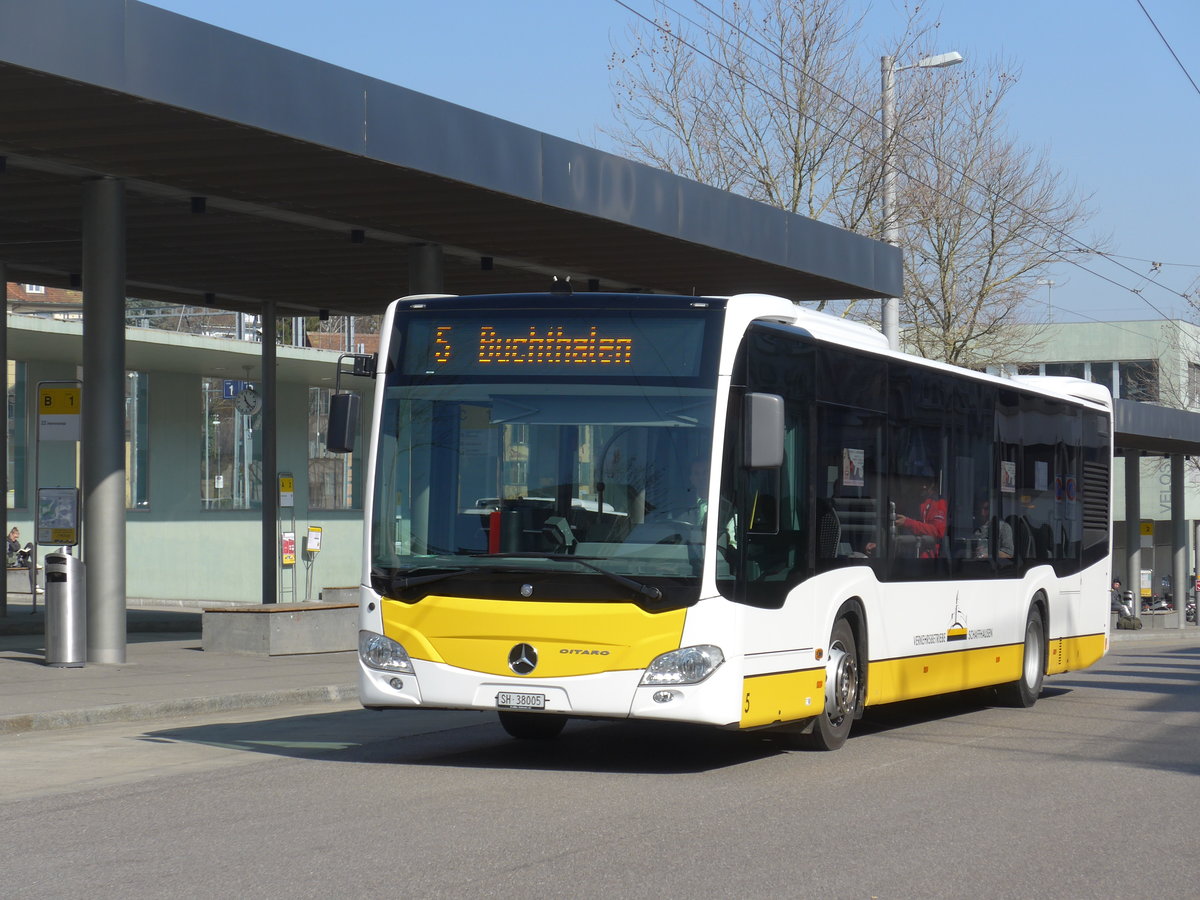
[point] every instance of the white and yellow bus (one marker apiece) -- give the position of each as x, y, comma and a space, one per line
730, 511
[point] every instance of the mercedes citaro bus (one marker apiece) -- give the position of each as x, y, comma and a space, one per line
731, 511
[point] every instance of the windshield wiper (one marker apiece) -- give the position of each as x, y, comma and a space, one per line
645, 590
396, 581
403, 582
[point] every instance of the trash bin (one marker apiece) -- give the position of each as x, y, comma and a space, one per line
66, 611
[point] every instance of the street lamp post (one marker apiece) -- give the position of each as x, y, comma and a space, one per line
891, 231
1049, 285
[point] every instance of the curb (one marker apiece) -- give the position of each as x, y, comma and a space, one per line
158, 709
37, 628
1190, 633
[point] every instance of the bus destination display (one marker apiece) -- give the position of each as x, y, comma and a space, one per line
605, 345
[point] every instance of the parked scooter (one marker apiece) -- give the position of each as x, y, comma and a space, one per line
1161, 602
1189, 611
1157, 603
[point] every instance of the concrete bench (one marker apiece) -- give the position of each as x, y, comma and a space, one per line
19, 580
281, 629
340, 594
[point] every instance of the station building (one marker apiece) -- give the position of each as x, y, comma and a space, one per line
193, 458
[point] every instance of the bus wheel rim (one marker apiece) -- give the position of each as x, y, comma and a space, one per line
841, 683
1033, 658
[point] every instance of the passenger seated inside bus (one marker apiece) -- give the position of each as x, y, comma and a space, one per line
985, 526
928, 526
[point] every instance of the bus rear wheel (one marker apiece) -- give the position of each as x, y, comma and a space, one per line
1025, 690
532, 726
842, 685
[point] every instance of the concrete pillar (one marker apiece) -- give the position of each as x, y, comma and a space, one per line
1133, 531
425, 269
269, 422
1179, 539
103, 417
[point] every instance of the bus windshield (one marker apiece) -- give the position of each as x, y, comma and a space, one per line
568, 445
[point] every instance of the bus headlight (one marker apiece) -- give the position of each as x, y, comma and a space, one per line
687, 665
381, 652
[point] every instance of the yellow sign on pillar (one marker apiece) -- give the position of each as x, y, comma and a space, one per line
1146, 530
287, 491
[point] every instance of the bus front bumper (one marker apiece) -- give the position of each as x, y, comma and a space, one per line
618, 694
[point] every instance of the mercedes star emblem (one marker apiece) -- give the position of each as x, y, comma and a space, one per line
522, 659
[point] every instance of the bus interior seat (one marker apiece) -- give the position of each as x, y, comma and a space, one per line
1022, 537
829, 531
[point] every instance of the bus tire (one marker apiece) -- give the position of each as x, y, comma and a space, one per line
532, 726
843, 682
1025, 690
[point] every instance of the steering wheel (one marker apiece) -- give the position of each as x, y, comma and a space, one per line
676, 515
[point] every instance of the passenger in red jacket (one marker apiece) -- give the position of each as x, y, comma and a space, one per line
931, 526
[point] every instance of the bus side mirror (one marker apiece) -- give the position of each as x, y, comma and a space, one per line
342, 431
764, 431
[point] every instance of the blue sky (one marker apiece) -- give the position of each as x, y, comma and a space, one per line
1099, 91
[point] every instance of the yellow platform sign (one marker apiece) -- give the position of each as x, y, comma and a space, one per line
58, 413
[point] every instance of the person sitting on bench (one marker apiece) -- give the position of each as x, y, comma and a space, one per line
17, 556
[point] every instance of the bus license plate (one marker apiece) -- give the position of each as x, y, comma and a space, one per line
507, 700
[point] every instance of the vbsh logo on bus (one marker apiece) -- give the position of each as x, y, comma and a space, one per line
957, 630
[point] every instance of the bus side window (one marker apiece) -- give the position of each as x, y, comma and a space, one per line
848, 484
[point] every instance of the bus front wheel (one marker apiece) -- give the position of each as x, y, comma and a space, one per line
532, 726
1025, 690
842, 686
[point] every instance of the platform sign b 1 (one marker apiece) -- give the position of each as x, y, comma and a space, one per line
287, 490
58, 413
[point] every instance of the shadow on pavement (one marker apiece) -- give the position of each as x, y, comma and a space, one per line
1167, 677
475, 740
22, 619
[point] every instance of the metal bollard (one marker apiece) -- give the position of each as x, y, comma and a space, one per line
66, 611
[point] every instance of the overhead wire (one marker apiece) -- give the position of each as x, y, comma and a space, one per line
1060, 254
1170, 49
1084, 247
1153, 262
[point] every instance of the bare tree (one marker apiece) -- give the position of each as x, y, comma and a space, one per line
763, 99
981, 217
777, 100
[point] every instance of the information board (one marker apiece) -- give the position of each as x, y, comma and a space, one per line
58, 516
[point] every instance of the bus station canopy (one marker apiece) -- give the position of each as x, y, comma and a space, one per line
1155, 430
254, 173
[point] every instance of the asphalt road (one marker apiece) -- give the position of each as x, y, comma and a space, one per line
1091, 793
